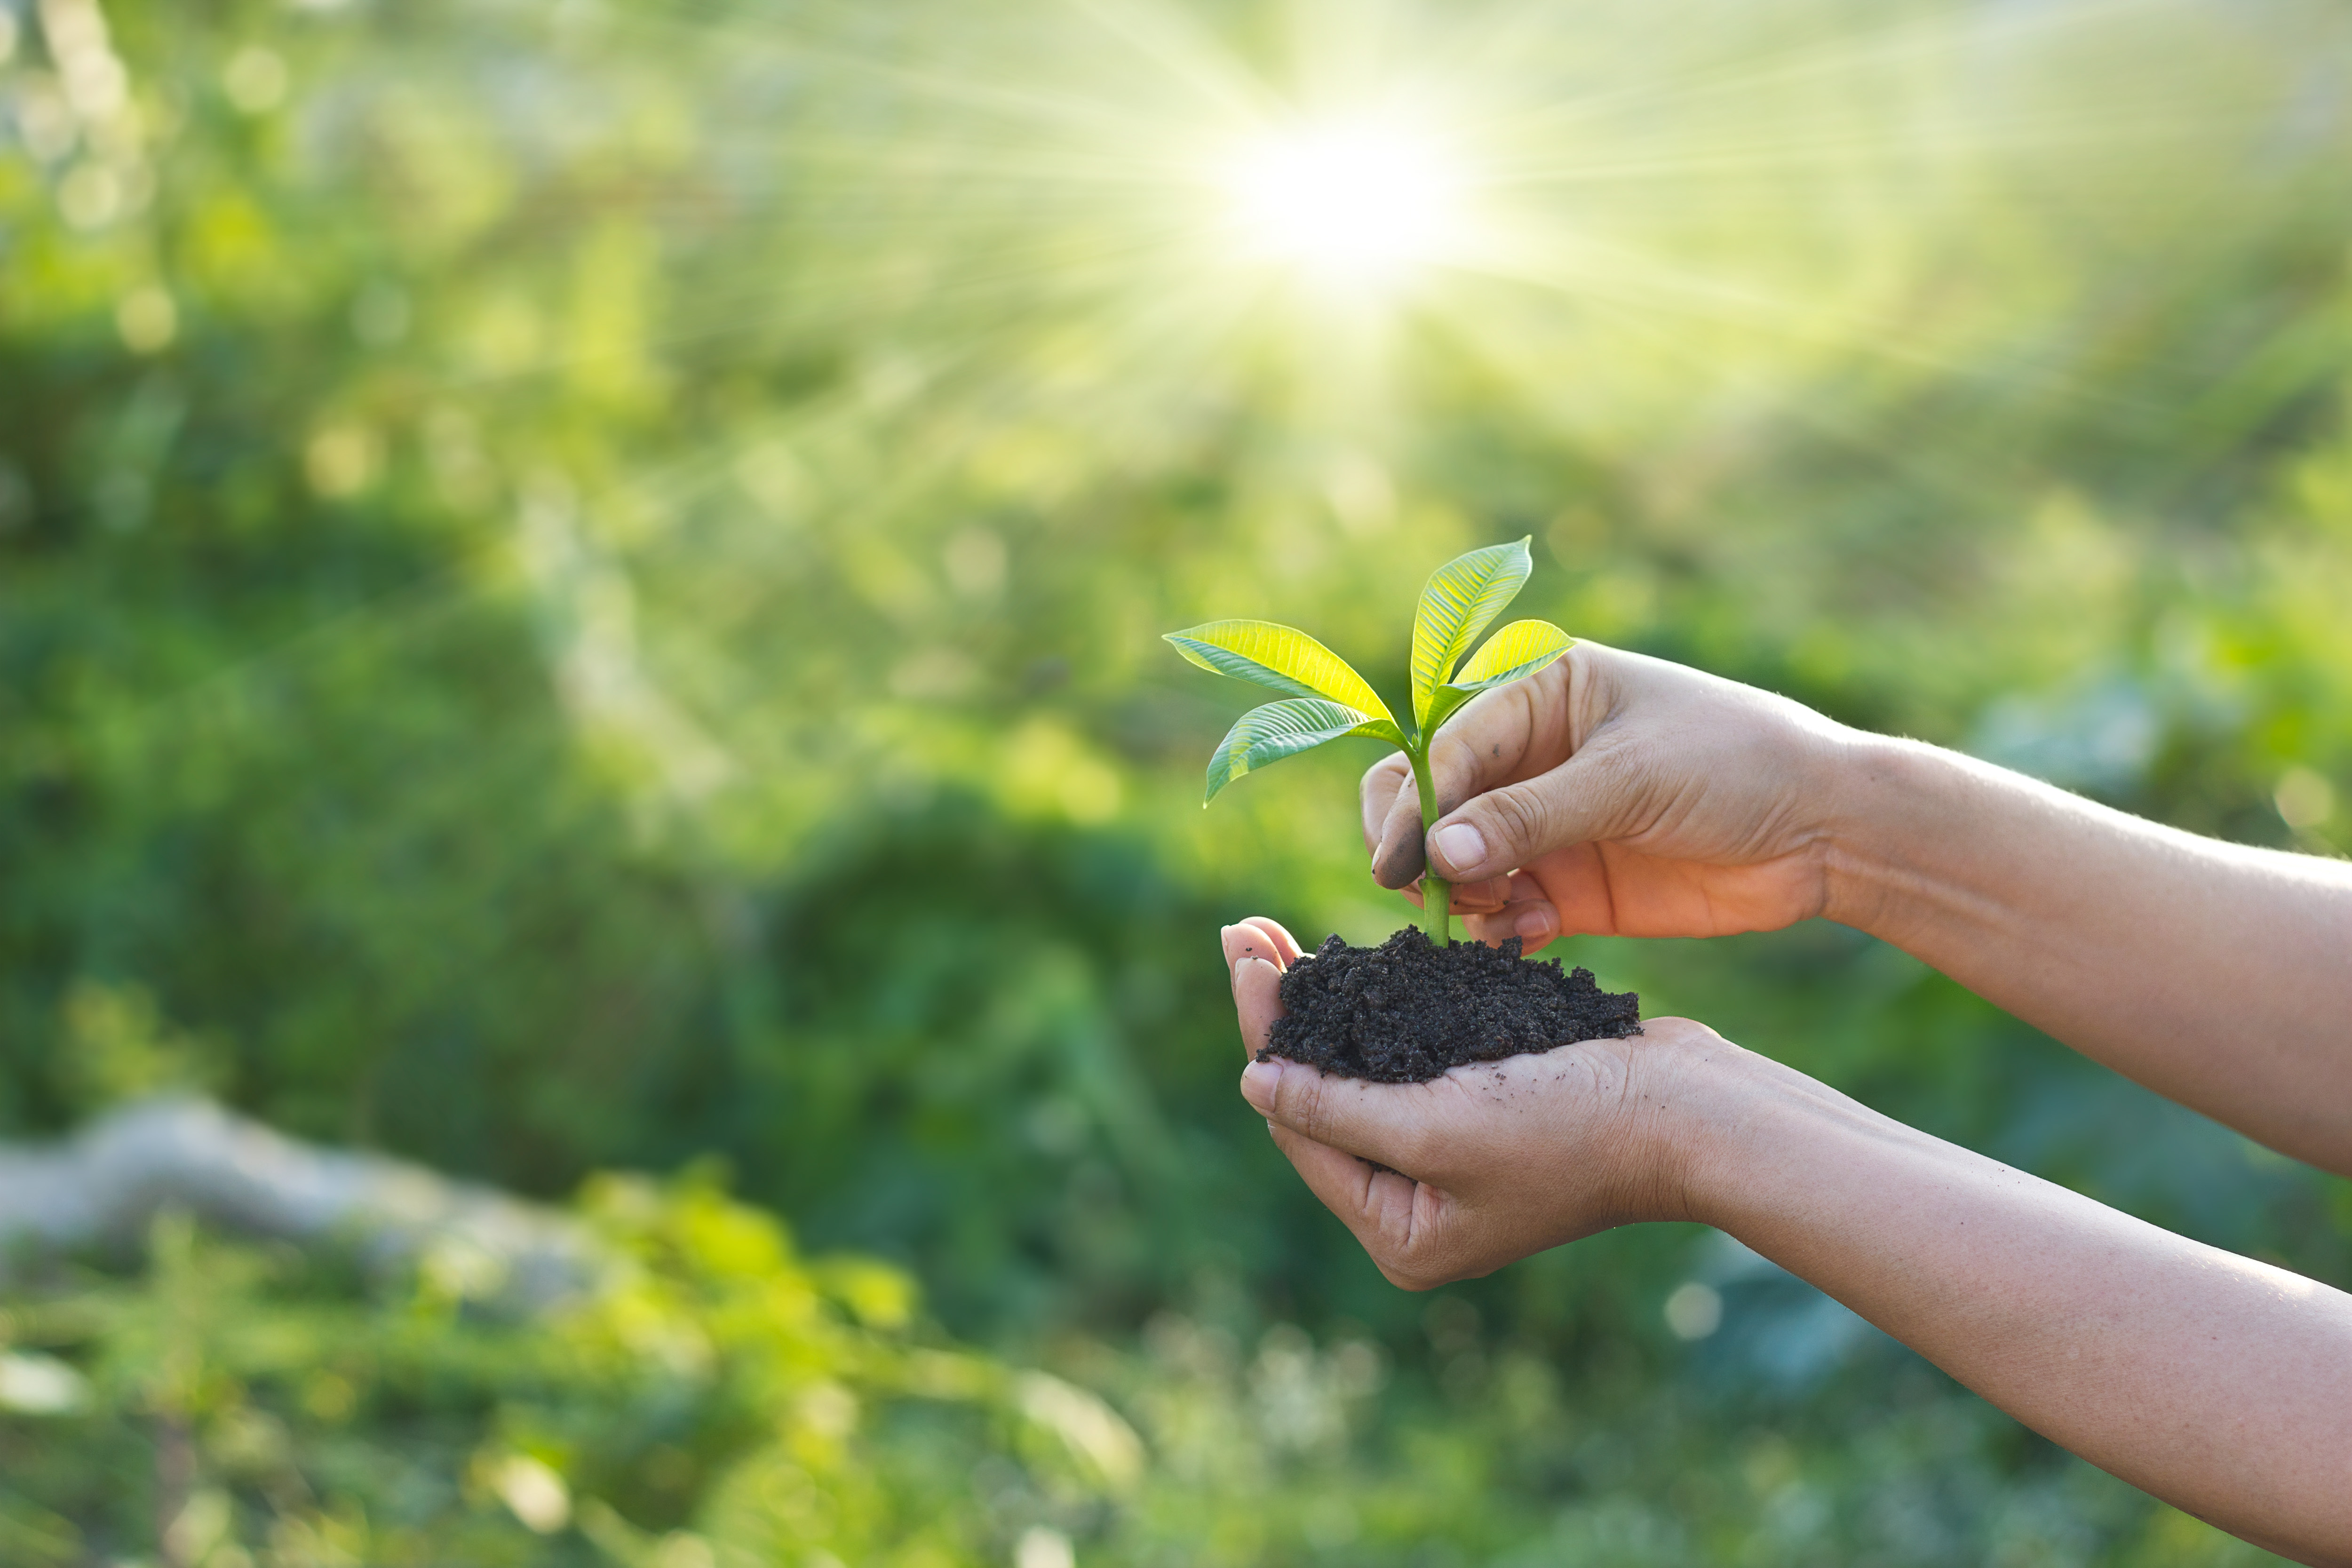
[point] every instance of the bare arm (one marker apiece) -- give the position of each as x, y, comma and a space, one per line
2218, 975
1622, 794
2220, 1384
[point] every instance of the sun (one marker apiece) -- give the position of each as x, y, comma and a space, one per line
1346, 201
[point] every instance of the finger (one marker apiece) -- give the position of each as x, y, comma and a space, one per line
1481, 898
1397, 861
1500, 737
1257, 999
1535, 921
1469, 898
1393, 1123
1526, 910
1577, 884
1527, 768
1386, 1211
1396, 855
1377, 796
1287, 949
1601, 794
1258, 937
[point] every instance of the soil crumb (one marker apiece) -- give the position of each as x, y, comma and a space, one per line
1406, 1011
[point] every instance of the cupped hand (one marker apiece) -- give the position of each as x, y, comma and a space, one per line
1619, 794
1492, 1162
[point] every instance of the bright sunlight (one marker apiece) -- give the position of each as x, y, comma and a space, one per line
1357, 202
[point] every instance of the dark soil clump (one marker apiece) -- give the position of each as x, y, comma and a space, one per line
1406, 1011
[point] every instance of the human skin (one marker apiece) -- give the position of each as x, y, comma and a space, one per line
1619, 794
1616, 794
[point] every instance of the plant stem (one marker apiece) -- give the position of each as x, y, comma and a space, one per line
1437, 892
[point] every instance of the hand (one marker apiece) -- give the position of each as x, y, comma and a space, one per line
1489, 1164
1623, 795
2220, 1384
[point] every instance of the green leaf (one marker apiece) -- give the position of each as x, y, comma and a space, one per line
1442, 704
1519, 650
1457, 603
1280, 730
1279, 657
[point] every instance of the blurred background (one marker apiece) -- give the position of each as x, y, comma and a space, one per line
580, 594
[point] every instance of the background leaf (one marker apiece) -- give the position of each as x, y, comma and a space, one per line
1457, 603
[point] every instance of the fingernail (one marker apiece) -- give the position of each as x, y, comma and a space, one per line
1532, 924
1460, 846
1258, 1080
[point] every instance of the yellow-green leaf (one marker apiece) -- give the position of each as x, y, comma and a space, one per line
1442, 704
1285, 729
1460, 599
1279, 657
1519, 650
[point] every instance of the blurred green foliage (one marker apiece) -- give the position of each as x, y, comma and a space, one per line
240, 1401
578, 590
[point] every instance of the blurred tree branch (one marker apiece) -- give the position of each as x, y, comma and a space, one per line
107, 1183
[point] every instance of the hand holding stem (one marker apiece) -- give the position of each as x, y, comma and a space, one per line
1328, 700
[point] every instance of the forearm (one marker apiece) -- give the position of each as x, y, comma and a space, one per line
2220, 1384
2218, 975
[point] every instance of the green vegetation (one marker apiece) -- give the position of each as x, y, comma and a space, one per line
1328, 699
576, 586
262, 1405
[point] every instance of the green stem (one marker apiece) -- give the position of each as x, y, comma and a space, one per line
1437, 892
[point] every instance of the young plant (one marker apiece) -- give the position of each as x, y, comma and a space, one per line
1328, 700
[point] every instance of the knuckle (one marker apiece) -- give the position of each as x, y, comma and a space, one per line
1519, 813
1452, 760
1402, 1264
1300, 1103
1407, 1272
1592, 671
1419, 1150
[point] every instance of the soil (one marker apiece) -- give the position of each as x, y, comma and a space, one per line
1406, 1011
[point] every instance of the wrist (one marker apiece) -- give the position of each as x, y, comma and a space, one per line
1883, 809
1738, 1123
1717, 1110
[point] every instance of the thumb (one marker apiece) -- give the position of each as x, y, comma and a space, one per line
1393, 1124
1593, 797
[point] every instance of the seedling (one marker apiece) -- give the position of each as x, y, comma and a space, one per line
1328, 700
